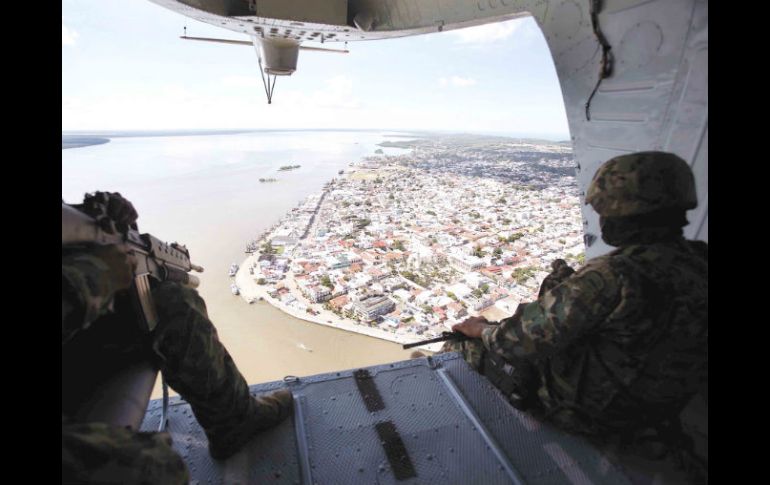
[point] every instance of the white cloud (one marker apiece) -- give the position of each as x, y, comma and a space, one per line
68, 36
242, 82
484, 34
179, 106
338, 94
340, 84
456, 81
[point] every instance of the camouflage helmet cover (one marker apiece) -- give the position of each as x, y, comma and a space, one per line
642, 182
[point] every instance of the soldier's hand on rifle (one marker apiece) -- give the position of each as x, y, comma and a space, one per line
111, 210
472, 327
121, 211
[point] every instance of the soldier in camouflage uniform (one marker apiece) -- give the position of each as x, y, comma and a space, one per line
188, 352
616, 350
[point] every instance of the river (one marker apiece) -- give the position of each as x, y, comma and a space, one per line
203, 191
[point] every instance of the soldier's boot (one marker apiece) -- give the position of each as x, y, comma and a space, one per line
265, 412
197, 366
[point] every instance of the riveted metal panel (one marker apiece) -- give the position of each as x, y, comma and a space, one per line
655, 99
455, 427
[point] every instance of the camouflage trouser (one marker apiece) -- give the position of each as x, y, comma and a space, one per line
198, 367
196, 364
98, 453
517, 381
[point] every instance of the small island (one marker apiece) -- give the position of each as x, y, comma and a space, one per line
288, 167
263, 180
379, 151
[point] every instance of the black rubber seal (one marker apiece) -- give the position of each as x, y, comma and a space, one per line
395, 450
368, 390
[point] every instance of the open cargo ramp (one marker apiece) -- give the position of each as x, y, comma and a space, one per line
428, 420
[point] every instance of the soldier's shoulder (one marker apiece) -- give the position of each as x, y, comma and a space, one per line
600, 271
82, 263
700, 247
599, 263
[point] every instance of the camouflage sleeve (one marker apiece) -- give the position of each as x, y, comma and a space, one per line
558, 316
87, 291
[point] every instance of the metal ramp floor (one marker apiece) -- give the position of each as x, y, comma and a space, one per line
421, 421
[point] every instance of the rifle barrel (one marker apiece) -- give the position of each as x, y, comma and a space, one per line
443, 338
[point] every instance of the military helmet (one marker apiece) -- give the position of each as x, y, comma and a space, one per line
642, 182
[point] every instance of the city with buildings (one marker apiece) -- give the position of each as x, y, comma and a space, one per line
403, 247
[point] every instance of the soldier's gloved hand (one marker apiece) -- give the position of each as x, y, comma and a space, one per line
122, 211
112, 211
472, 327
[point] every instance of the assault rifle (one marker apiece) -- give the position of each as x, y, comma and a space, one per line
443, 338
154, 258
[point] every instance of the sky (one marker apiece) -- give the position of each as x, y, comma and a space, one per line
125, 68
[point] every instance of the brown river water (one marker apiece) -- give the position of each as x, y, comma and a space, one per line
203, 191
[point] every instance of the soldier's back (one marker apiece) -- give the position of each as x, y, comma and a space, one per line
649, 355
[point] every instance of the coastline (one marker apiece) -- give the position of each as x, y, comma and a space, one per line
251, 292
75, 141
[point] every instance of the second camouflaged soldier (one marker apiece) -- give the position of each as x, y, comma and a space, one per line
185, 347
616, 350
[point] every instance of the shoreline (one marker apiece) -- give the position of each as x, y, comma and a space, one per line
251, 292
74, 141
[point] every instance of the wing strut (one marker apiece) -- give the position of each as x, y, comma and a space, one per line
269, 87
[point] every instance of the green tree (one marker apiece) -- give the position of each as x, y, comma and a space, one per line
478, 252
523, 274
327, 282
268, 248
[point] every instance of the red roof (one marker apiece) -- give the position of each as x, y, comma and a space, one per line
338, 302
